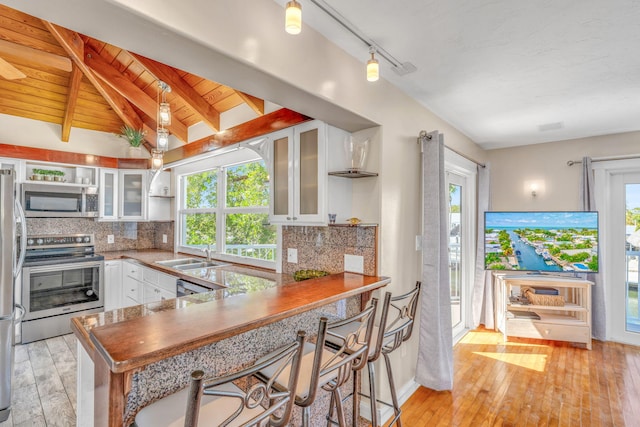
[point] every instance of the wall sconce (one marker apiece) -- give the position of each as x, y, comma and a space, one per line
534, 188
293, 17
373, 67
157, 160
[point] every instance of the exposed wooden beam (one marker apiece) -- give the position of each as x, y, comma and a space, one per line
35, 56
72, 99
209, 115
9, 72
130, 91
45, 155
256, 104
263, 125
74, 46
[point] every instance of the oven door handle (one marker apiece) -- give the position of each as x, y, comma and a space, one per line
59, 267
23, 238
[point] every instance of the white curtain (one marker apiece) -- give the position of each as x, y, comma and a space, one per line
598, 297
482, 295
435, 355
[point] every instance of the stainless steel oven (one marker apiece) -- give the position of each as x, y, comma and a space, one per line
62, 278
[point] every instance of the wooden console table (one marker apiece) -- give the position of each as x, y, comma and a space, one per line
571, 322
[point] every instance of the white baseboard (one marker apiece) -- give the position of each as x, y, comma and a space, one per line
385, 413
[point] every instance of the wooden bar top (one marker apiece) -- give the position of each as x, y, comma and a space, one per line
138, 342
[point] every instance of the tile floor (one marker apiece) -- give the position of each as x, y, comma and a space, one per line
44, 384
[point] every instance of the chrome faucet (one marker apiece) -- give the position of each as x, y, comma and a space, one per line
208, 251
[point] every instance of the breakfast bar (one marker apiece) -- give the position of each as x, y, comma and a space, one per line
150, 352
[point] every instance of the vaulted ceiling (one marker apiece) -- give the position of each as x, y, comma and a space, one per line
52, 74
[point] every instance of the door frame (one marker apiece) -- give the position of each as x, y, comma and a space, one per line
606, 174
466, 169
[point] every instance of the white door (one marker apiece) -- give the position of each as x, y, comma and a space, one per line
625, 257
461, 184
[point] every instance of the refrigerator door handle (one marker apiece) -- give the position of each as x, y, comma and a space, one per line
23, 246
19, 309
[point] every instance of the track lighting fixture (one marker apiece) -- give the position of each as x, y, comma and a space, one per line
373, 67
293, 17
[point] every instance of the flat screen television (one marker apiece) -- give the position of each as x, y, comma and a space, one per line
541, 241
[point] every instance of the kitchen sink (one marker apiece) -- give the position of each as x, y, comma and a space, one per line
198, 265
190, 263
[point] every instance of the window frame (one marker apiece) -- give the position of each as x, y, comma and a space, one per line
221, 210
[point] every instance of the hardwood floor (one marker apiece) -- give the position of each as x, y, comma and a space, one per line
44, 384
519, 383
533, 383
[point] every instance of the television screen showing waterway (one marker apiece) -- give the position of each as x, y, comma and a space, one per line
541, 241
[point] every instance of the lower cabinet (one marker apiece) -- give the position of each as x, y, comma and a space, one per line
112, 285
138, 284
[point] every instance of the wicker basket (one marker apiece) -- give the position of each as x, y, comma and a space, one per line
537, 299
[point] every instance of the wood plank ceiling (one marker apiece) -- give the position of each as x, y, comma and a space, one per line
76, 81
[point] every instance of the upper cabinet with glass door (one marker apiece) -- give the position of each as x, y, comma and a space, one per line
108, 208
133, 197
299, 175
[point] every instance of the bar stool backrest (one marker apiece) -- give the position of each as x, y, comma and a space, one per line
259, 395
350, 355
396, 322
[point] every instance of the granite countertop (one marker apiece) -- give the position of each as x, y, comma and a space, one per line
238, 280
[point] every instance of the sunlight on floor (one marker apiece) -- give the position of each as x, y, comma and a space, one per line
536, 362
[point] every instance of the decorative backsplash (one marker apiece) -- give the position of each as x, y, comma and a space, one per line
127, 235
323, 248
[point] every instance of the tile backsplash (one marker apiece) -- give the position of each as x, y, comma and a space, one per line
127, 235
323, 248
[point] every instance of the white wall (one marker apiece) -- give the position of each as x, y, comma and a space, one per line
248, 49
513, 168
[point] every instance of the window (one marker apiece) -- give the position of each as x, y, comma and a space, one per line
228, 208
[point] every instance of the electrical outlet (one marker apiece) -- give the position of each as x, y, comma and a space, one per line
164, 238
418, 242
292, 255
354, 263
110, 239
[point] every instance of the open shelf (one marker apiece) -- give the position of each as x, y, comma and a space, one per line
353, 174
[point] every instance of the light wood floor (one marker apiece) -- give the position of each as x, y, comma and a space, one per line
44, 384
533, 383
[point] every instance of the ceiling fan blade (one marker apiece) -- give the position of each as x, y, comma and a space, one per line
10, 72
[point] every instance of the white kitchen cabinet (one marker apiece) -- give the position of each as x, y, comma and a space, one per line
112, 285
132, 286
142, 284
299, 175
108, 209
133, 194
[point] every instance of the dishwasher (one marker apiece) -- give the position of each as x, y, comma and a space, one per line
184, 288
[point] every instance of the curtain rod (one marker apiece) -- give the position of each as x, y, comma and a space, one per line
424, 134
603, 159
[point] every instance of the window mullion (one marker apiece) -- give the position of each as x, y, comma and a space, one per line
220, 218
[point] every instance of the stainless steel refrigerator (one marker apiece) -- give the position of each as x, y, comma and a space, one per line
11, 216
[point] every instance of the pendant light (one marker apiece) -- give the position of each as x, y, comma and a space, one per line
157, 160
164, 118
373, 67
293, 17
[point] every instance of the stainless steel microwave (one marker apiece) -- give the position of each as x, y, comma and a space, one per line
56, 201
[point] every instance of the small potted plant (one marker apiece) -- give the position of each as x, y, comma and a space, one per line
134, 137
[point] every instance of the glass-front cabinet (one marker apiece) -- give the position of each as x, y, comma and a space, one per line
108, 209
299, 175
133, 200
